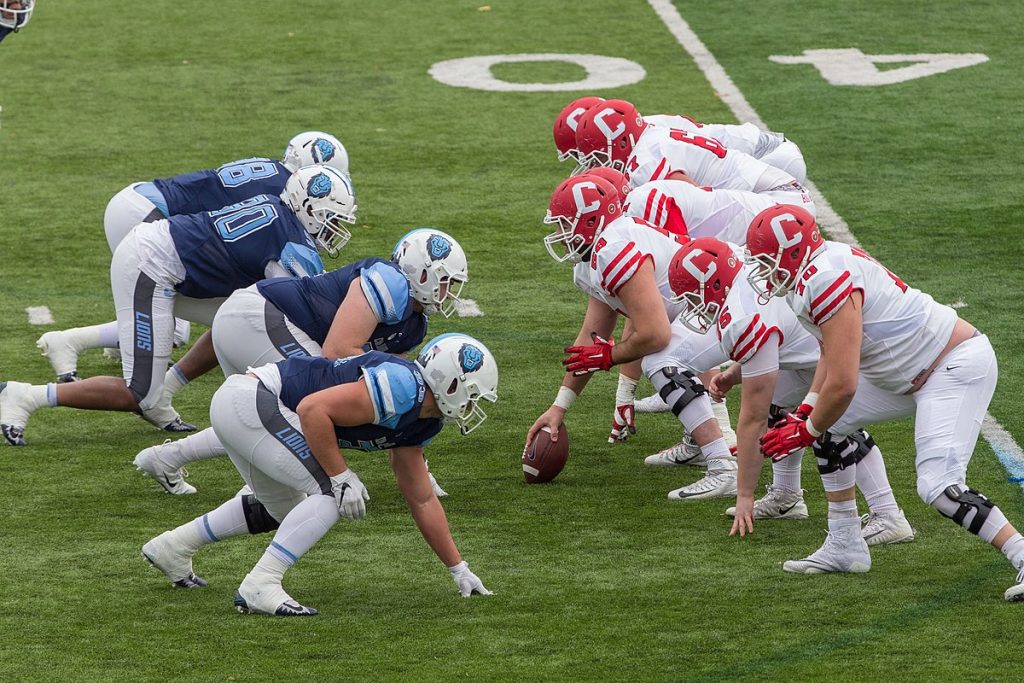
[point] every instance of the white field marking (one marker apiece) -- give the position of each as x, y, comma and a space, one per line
39, 315
850, 66
475, 72
467, 308
959, 303
1007, 450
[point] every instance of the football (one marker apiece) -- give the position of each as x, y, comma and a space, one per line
545, 458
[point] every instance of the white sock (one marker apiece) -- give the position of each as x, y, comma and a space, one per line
873, 482
304, 525
199, 446
42, 396
721, 411
92, 336
625, 392
786, 472
106, 336
1014, 550
226, 521
842, 510
174, 380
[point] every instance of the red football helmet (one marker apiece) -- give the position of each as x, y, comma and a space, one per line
701, 274
781, 240
616, 178
581, 206
606, 134
565, 126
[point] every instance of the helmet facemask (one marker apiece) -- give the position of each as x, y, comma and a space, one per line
698, 315
575, 244
328, 228
460, 374
767, 277
16, 18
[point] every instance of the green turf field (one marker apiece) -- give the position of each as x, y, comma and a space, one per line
597, 576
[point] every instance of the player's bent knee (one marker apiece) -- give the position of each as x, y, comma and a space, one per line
257, 518
678, 387
971, 510
833, 455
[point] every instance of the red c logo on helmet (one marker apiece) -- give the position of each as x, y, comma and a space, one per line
605, 128
581, 204
780, 234
702, 276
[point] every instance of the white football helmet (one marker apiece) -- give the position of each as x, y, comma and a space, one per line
15, 14
460, 373
314, 147
436, 267
323, 199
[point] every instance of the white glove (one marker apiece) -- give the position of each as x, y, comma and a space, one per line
623, 423
467, 581
350, 494
438, 491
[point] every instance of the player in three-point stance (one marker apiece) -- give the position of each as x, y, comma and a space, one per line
775, 359
371, 304
918, 357
185, 194
188, 265
282, 425
621, 263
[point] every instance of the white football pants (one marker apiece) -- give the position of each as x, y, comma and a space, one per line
124, 211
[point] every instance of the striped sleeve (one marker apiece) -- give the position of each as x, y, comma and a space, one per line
826, 293
386, 290
745, 337
617, 263
393, 391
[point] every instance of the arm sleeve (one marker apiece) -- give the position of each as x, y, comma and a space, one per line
393, 391
746, 336
387, 292
275, 269
765, 359
300, 260
826, 293
617, 263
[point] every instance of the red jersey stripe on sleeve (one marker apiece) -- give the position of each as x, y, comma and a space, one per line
760, 337
629, 269
831, 288
621, 255
661, 167
659, 218
649, 206
832, 306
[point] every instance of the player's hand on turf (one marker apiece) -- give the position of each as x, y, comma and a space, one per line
785, 439
743, 520
623, 423
468, 582
438, 491
583, 360
552, 419
720, 385
350, 494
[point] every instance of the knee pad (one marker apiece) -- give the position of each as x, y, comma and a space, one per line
677, 387
257, 518
838, 455
965, 506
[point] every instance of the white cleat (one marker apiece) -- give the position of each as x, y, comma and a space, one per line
150, 463
713, 485
651, 404
844, 550
886, 528
1016, 593
777, 503
15, 408
260, 594
686, 452
174, 561
63, 356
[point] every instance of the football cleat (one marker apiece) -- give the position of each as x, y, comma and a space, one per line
63, 356
651, 404
14, 411
886, 528
179, 426
844, 550
263, 595
150, 463
175, 562
686, 452
777, 503
1016, 593
713, 485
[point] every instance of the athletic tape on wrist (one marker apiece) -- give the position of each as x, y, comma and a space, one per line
565, 398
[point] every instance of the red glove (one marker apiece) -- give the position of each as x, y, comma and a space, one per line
803, 411
584, 360
789, 437
623, 424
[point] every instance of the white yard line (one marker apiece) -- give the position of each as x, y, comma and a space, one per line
39, 315
1006, 449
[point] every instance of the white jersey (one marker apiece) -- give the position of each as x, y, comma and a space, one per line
742, 138
662, 151
745, 326
905, 330
618, 253
689, 211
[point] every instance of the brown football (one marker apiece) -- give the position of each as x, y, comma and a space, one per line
545, 458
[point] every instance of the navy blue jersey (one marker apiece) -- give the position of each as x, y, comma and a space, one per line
311, 303
4, 31
396, 388
229, 249
229, 184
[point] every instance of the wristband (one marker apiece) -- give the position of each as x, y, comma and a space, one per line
460, 567
565, 398
626, 391
811, 398
810, 428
